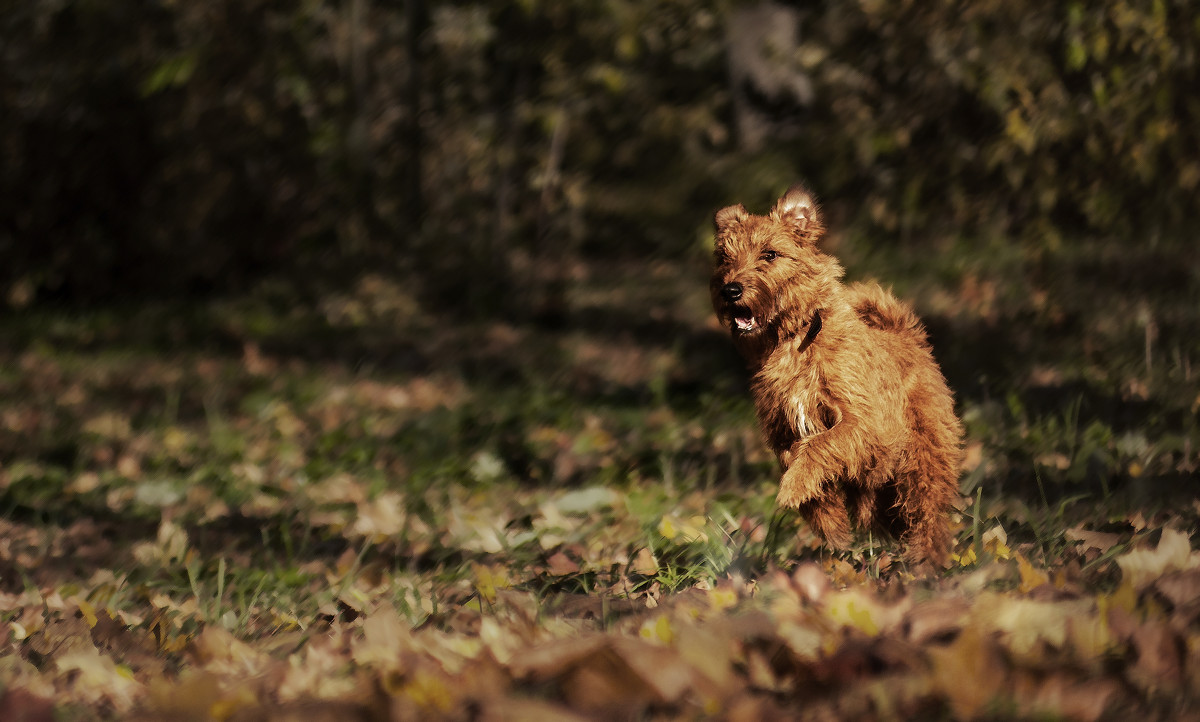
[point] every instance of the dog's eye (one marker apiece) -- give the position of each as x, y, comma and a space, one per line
768, 256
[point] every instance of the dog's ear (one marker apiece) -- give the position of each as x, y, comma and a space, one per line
798, 208
726, 217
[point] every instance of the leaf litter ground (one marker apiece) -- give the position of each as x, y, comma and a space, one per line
349, 510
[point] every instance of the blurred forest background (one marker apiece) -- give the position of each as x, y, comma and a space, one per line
475, 148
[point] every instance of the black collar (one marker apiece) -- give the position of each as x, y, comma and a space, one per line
814, 327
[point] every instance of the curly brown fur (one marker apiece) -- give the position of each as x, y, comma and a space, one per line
846, 388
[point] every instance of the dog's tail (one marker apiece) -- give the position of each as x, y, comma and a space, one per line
879, 309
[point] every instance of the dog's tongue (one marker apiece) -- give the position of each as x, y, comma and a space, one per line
743, 322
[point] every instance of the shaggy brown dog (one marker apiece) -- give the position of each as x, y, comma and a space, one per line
847, 391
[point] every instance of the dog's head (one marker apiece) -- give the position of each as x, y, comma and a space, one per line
768, 276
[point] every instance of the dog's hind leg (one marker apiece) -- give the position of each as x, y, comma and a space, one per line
927, 488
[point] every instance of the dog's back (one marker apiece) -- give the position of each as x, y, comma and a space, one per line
881, 310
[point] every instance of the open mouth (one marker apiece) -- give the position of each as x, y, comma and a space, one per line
744, 321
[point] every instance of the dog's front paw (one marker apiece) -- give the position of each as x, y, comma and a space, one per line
800, 483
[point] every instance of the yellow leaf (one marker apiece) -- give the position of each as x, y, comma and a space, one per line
1125, 599
972, 656
995, 542
1090, 636
429, 691
683, 531
1018, 129
666, 527
850, 610
722, 598
1031, 578
88, 612
231, 703
488, 580
657, 630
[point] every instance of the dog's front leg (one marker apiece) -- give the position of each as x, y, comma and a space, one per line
813, 460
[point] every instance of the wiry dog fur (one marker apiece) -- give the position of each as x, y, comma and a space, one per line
847, 391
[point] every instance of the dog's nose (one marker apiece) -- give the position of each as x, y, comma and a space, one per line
731, 291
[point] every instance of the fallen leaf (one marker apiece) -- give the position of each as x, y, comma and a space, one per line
683, 531
1180, 588
1140, 567
526, 710
935, 619
1099, 540
645, 563
1026, 623
1031, 578
586, 501
1159, 663
385, 636
19, 705
973, 656
96, 679
657, 630
1058, 696
381, 518
858, 609
995, 542
488, 580
544, 661
810, 581
561, 565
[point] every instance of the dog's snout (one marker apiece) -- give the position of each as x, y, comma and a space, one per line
731, 291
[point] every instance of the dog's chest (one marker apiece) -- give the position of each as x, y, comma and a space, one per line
789, 411
791, 397
796, 411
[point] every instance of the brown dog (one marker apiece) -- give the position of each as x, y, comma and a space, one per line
847, 391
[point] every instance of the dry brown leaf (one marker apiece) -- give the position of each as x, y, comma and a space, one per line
710, 654
385, 637
516, 709
1180, 588
810, 581
381, 518
1057, 696
659, 668
561, 565
545, 661
645, 563
1159, 663
20, 705
938, 618
972, 457
973, 656
1099, 540
218, 651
